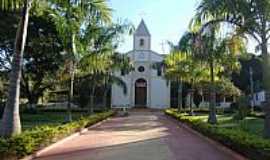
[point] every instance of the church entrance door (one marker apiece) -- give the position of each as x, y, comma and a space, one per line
140, 93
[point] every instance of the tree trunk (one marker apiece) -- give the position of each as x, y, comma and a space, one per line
71, 90
191, 101
180, 91
266, 85
92, 98
105, 98
212, 119
11, 124
73, 51
32, 101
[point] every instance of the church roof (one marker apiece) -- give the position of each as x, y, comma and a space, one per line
142, 30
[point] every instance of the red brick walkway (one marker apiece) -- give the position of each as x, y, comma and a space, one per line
140, 136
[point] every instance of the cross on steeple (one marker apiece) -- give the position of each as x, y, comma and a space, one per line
142, 14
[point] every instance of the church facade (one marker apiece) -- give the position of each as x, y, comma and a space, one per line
146, 86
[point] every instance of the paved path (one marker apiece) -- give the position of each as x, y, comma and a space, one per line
140, 136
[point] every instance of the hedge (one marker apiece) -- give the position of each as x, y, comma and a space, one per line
37, 138
251, 146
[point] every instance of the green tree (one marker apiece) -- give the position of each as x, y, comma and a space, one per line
70, 16
11, 119
118, 63
248, 18
42, 56
42, 59
100, 60
220, 55
194, 67
11, 124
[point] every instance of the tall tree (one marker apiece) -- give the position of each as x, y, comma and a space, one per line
246, 17
11, 119
194, 67
70, 17
175, 71
220, 55
11, 124
42, 56
100, 59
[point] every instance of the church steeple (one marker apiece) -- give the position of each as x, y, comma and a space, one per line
142, 37
142, 30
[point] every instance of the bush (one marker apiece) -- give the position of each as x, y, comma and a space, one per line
243, 109
250, 145
39, 137
234, 106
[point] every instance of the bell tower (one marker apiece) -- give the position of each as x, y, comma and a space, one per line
142, 37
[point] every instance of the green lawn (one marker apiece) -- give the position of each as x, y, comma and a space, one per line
252, 125
245, 136
45, 118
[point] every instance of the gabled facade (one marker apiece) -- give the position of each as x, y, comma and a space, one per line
146, 85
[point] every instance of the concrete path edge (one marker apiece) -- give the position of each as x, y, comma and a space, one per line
61, 141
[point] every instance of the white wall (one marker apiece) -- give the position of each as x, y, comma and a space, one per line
147, 43
158, 91
118, 96
258, 98
160, 94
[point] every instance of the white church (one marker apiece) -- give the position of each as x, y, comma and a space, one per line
146, 86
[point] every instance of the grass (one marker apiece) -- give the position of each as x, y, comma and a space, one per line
46, 118
251, 125
33, 140
244, 136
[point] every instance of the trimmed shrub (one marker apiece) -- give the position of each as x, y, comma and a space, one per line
250, 145
32, 140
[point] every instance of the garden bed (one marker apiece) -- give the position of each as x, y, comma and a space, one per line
247, 143
39, 137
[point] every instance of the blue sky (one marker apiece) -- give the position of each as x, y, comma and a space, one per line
167, 20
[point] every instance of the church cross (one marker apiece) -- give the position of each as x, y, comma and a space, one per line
143, 14
163, 46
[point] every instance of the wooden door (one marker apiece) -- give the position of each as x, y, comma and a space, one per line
141, 93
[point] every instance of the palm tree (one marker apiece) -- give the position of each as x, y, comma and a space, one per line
221, 56
197, 73
182, 67
195, 68
94, 9
69, 17
100, 59
11, 124
118, 62
249, 18
174, 71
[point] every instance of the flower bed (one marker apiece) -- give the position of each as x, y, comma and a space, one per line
37, 138
252, 146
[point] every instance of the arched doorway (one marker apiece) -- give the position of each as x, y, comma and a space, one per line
141, 93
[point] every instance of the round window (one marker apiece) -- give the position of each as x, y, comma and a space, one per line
141, 69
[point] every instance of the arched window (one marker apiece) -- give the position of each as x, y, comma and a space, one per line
141, 42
